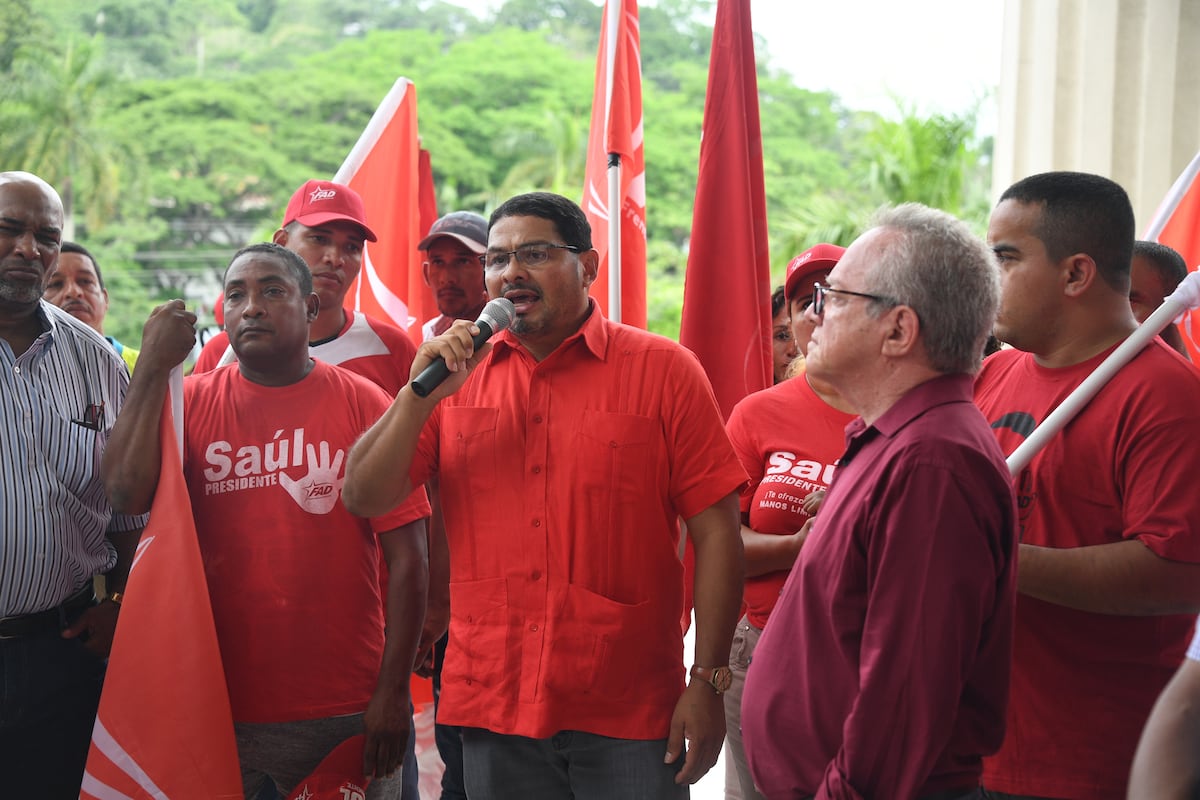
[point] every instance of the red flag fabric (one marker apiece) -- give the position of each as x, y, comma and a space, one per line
727, 288
338, 777
617, 128
164, 727
1176, 224
384, 168
422, 304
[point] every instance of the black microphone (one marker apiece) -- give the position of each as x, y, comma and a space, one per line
497, 315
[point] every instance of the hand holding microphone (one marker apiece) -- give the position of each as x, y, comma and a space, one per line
497, 315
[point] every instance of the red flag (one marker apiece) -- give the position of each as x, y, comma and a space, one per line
727, 288
617, 128
1176, 224
338, 777
422, 304
384, 168
164, 727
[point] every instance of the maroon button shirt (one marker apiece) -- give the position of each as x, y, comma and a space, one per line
883, 671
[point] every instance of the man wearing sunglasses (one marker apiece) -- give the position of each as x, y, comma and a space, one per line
566, 453
61, 386
884, 669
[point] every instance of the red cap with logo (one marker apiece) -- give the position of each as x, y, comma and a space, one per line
318, 202
804, 269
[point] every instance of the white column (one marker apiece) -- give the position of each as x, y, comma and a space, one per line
1104, 86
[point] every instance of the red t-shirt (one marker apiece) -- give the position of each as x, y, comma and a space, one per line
380, 352
1083, 684
788, 439
292, 574
562, 483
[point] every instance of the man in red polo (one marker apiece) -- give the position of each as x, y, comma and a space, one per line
326, 225
566, 454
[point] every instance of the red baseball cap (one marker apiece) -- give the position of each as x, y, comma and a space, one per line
804, 269
318, 202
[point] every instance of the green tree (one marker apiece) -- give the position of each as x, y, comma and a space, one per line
55, 125
935, 160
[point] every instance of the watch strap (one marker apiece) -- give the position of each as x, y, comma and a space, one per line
719, 678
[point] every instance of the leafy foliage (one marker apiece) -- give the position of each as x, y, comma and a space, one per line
180, 127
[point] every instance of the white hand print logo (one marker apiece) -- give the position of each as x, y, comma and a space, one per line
318, 491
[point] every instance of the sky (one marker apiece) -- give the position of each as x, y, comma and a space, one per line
941, 55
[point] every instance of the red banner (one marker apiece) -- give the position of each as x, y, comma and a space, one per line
164, 727
385, 168
1177, 224
727, 288
338, 777
617, 128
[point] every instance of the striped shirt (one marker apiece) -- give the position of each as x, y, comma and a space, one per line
53, 513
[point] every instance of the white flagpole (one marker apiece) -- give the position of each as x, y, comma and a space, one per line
175, 387
1185, 297
614, 9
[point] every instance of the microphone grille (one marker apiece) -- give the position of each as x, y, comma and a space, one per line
498, 314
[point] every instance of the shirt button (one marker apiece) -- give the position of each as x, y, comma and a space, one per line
537, 470
17, 369
533, 627
537, 523
537, 417
535, 575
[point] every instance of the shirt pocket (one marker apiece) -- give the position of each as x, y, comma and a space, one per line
598, 646
615, 457
469, 448
478, 632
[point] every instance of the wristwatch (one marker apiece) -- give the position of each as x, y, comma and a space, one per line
720, 678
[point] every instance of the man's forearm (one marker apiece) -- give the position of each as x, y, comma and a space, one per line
407, 586
718, 582
133, 453
1123, 578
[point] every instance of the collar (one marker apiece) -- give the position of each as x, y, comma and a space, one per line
349, 313
595, 334
50, 317
923, 397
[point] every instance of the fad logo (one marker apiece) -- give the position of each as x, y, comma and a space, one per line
321, 194
321, 490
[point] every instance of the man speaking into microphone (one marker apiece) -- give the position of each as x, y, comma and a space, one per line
567, 449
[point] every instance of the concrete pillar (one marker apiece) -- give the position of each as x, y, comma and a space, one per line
1104, 86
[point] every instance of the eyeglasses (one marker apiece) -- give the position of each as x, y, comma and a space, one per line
93, 417
529, 255
820, 290
93, 413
